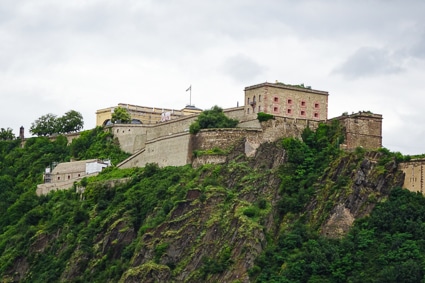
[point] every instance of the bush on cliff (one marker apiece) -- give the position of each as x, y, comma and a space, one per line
212, 119
262, 117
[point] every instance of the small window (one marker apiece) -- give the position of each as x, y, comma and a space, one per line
275, 109
302, 113
79, 174
259, 98
69, 177
248, 100
118, 130
316, 105
259, 108
289, 111
276, 99
316, 115
303, 103
253, 99
59, 177
289, 101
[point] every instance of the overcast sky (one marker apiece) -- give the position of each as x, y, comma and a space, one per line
90, 54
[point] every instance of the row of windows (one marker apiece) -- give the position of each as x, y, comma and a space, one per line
289, 101
69, 177
253, 99
288, 111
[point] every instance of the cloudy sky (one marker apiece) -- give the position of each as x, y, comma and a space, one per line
90, 54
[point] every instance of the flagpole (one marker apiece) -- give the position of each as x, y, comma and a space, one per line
190, 94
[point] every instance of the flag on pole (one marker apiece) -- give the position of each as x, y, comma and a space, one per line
190, 88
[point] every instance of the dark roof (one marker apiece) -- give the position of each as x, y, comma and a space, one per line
192, 107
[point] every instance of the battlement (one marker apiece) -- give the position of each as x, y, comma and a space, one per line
362, 129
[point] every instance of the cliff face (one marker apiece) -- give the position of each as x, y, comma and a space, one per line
350, 189
225, 219
217, 240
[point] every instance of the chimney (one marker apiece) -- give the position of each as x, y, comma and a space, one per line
21, 132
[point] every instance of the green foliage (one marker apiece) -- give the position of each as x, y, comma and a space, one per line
71, 121
217, 265
49, 124
387, 246
6, 134
214, 151
301, 85
121, 115
97, 143
262, 117
212, 119
46, 125
251, 211
307, 160
160, 250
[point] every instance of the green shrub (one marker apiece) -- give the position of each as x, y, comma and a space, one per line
251, 211
262, 117
212, 119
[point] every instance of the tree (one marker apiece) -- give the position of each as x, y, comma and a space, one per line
46, 125
6, 134
210, 119
71, 121
121, 115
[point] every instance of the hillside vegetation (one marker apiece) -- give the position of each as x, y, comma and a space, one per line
299, 211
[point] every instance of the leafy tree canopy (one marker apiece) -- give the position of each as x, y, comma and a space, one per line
49, 124
121, 115
212, 119
6, 134
44, 126
72, 121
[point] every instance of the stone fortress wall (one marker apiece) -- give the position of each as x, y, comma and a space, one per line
362, 129
294, 108
413, 175
169, 143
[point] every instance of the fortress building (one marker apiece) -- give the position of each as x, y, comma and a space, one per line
292, 101
144, 114
167, 142
158, 135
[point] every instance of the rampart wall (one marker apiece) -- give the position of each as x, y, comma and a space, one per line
362, 129
413, 175
132, 137
173, 150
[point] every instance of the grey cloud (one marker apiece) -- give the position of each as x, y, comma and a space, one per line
418, 48
242, 68
369, 61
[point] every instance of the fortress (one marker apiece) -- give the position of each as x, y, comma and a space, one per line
161, 136
152, 139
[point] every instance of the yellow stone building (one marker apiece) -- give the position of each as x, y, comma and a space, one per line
292, 101
145, 115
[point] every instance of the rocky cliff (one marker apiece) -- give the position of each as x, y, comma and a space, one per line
208, 224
